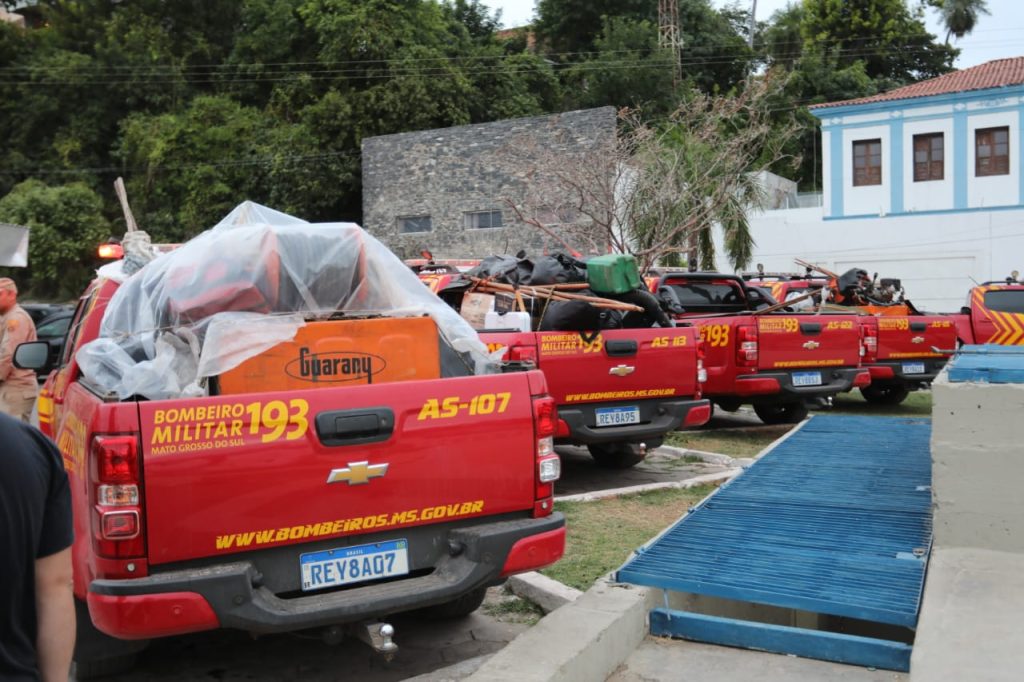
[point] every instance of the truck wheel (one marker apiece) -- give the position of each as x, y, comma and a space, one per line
885, 394
616, 455
457, 608
98, 654
784, 413
728, 405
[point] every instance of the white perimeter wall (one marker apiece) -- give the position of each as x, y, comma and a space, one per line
935, 255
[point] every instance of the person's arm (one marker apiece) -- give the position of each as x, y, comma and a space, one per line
7, 347
55, 612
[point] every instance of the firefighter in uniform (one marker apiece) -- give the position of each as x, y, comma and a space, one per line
18, 387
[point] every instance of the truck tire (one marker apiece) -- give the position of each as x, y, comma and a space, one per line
98, 654
728, 405
782, 413
885, 394
617, 455
457, 608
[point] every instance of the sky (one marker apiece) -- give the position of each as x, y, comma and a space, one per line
999, 35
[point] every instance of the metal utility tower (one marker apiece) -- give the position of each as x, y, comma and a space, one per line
668, 35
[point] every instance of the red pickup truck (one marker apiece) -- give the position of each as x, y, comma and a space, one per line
994, 314
270, 512
772, 361
906, 358
618, 391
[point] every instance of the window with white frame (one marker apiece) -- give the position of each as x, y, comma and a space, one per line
415, 223
483, 219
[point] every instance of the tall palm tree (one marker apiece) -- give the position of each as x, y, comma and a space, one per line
960, 16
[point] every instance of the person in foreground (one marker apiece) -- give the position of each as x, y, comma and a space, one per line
37, 611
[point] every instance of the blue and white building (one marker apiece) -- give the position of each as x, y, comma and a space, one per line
923, 182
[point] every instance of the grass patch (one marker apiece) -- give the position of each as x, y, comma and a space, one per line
746, 443
917, 404
602, 534
513, 609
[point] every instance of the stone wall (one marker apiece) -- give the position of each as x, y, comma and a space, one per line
448, 172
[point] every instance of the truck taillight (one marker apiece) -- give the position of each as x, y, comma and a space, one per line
746, 345
701, 371
549, 466
116, 497
869, 344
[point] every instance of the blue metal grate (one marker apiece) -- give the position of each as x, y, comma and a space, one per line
836, 519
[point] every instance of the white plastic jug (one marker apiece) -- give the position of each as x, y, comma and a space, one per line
512, 320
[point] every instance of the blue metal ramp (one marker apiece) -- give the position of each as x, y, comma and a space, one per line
835, 520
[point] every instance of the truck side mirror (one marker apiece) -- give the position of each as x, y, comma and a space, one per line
32, 355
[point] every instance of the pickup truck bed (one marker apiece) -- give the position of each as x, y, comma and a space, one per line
618, 391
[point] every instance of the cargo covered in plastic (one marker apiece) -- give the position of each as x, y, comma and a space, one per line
244, 286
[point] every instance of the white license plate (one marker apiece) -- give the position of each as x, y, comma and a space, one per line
807, 378
347, 565
913, 368
617, 416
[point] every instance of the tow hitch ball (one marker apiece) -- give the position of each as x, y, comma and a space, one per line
378, 636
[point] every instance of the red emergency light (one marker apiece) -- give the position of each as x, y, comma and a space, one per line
111, 251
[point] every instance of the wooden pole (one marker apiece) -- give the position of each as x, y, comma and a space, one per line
122, 196
483, 285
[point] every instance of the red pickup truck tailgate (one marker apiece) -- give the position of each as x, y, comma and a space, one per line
789, 341
615, 364
235, 473
914, 337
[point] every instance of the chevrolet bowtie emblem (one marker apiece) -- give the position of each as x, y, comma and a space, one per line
917, 339
357, 473
811, 345
622, 370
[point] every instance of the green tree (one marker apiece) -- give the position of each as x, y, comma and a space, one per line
66, 224
476, 18
889, 38
628, 69
623, 36
573, 26
959, 16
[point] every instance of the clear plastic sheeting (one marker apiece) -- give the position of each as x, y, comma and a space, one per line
241, 288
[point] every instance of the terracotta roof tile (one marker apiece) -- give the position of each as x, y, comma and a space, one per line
994, 74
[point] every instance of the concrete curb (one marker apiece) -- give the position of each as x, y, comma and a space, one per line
709, 457
546, 593
452, 673
720, 477
585, 640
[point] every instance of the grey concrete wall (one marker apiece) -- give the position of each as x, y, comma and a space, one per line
978, 465
447, 172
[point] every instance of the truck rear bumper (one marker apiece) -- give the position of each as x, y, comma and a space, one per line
770, 387
657, 417
890, 371
232, 595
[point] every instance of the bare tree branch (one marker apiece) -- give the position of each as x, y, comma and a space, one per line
658, 188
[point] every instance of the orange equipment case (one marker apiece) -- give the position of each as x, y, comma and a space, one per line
341, 352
